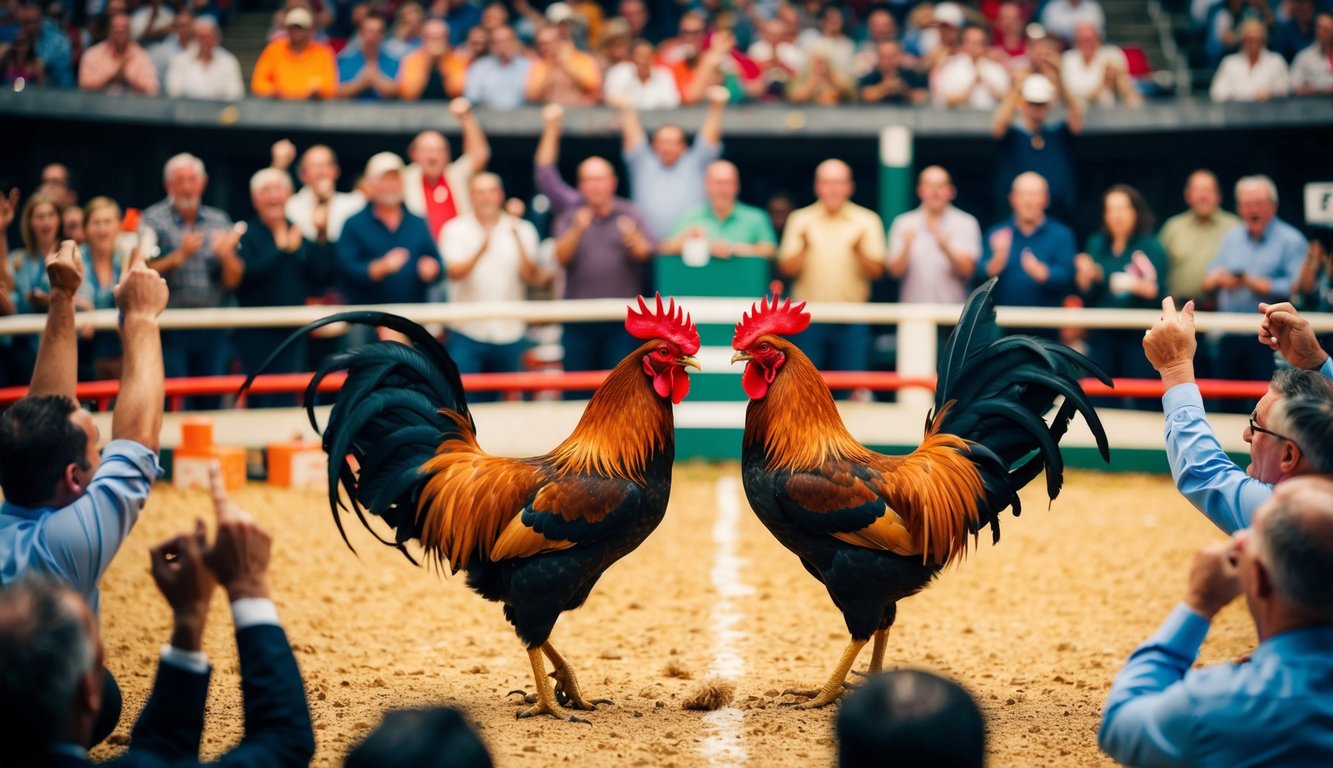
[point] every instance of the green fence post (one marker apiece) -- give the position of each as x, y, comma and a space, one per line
895, 171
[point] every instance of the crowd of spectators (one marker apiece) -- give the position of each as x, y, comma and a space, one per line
656, 55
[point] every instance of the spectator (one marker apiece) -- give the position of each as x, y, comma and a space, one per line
615, 44
934, 249
1037, 144
151, 21
779, 209
494, 15
822, 83
1252, 74
366, 72
386, 254
562, 74
206, 71
8, 296
489, 256
635, 14
831, 39
297, 67
68, 508
666, 178
422, 737
1062, 17
1097, 74
475, 46
890, 82
1312, 71
39, 226
777, 55
118, 64
1010, 36
719, 64
433, 187
1192, 238
49, 44
174, 44
641, 83
56, 184
408, 28
831, 251
1034, 253
1296, 32
499, 81
1044, 57
1204, 474
20, 64
918, 717
55, 641
689, 39
1315, 285
729, 227
970, 78
603, 243
71, 225
1276, 706
279, 268
433, 72
319, 209
1258, 261
942, 38
104, 256
1224, 22
460, 15
197, 247
1122, 267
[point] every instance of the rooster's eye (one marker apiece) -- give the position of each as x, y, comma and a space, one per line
662, 352
764, 347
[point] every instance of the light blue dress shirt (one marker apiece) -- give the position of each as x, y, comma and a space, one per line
1275, 709
1204, 473
1277, 255
76, 543
492, 84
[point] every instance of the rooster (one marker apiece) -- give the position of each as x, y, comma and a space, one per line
875, 529
534, 534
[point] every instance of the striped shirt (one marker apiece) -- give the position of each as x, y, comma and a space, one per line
197, 282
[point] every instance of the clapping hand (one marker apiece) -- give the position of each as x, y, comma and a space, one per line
64, 268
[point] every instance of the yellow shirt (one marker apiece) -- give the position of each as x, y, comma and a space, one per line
1191, 244
285, 74
832, 270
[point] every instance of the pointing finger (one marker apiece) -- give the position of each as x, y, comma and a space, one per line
1187, 318
1169, 309
218, 489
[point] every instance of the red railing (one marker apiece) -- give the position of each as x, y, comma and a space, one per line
103, 392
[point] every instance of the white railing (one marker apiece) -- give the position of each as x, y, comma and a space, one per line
917, 323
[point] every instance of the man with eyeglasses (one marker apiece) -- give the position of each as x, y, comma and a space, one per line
1203, 472
1274, 708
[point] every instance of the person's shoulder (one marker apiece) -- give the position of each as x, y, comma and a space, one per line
862, 212
959, 217
1288, 232
157, 212
1173, 223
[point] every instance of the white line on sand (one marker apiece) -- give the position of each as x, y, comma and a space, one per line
724, 745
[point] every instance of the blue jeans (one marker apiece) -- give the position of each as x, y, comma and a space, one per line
196, 353
595, 347
836, 348
472, 356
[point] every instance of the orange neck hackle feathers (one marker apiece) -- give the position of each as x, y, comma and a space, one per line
671, 323
767, 317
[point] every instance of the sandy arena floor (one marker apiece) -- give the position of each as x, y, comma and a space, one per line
1035, 627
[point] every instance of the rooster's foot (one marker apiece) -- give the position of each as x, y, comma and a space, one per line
556, 711
567, 692
528, 698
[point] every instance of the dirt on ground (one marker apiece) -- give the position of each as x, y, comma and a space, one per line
1036, 627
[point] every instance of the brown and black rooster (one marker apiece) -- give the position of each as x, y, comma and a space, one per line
874, 528
534, 534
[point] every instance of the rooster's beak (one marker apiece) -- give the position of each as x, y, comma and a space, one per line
740, 357
689, 362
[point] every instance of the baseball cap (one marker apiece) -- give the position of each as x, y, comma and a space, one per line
949, 13
1037, 89
298, 17
558, 12
383, 163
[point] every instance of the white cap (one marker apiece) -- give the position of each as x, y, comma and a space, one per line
381, 164
1037, 89
558, 12
949, 13
298, 17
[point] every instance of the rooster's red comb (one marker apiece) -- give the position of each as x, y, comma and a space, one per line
670, 323
767, 317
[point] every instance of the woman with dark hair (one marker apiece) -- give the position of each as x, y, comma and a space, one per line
1122, 267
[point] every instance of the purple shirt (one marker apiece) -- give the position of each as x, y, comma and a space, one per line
602, 267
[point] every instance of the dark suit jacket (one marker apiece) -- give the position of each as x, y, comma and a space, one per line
277, 717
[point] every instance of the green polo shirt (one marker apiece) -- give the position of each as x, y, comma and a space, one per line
746, 224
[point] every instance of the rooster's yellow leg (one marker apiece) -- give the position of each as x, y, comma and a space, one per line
567, 685
834, 687
877, 651
546, 703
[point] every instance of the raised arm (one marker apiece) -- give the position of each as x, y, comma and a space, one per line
632, 135
8, 206
57, 369
711, 130
548, 146
141, 297
1004, 114
475, 144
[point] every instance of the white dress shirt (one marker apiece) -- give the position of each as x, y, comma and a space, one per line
191, 77
1236, 80
660, 92
1082, 77
344, 205
495, 277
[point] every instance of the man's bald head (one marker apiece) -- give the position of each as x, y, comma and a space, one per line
935, 188
1293, 532
597, 182
833, 183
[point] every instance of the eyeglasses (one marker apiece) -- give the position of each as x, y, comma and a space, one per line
1254, 427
